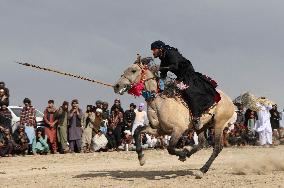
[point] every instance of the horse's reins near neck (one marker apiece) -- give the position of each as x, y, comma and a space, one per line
138, 87
144, 69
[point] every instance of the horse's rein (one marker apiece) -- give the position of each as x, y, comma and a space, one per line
143, 69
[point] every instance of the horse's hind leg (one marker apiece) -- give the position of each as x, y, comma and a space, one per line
137, 139
218, 146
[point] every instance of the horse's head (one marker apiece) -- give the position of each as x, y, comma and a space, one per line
133, 75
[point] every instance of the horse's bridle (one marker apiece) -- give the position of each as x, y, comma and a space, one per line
143, 80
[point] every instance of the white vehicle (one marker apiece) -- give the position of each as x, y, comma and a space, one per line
16, 111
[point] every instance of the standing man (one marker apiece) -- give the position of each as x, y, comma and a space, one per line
4, 93
4, 97
106, 118
5, 116
28, 119
99, 104
75, 127
106, 112
3, 86
117, 104
263, 125
141, 118
62, 117
240, 115
87, 122
116, 121
275, 118
129, 117
50, 125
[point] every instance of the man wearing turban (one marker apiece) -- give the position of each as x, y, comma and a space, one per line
197, 90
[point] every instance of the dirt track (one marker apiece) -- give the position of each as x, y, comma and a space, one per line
245, 167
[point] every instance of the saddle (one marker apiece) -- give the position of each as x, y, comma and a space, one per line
207, 117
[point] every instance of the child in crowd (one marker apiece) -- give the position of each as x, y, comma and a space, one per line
39, 144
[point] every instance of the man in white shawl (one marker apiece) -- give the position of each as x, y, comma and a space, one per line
151, 141
99, 141
263, 125
141, 118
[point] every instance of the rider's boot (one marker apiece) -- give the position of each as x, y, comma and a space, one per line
196, 123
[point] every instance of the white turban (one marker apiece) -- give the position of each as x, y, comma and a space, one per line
99, 110
127, 132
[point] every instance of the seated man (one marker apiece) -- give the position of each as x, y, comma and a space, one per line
160, 142
187, 139
197, 90
6, 143
99, 141
127, 141
226, 137
39, 144
151, 141
21, 140
111, 145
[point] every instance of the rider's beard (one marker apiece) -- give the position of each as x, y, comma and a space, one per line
157, 53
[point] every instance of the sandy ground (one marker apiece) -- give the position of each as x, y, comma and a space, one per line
235, 167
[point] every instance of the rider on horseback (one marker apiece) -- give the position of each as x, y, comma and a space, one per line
198, 90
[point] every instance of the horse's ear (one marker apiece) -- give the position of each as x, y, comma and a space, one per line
146, 60
138, 60
149, 60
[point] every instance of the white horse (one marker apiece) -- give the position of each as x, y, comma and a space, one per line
170, 115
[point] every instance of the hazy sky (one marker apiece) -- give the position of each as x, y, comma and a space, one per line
239, 43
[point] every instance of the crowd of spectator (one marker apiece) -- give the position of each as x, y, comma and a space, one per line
243, 131
70, 129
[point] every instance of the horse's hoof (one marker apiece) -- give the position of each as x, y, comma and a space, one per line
182, 159
199, 175
142, 161
187, 150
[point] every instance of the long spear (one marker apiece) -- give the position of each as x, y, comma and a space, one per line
64, 73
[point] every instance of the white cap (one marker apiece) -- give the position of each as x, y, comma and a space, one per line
127, 132
99, 110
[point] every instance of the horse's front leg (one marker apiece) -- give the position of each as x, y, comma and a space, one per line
138, 144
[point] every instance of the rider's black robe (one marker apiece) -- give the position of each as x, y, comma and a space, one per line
201, 93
